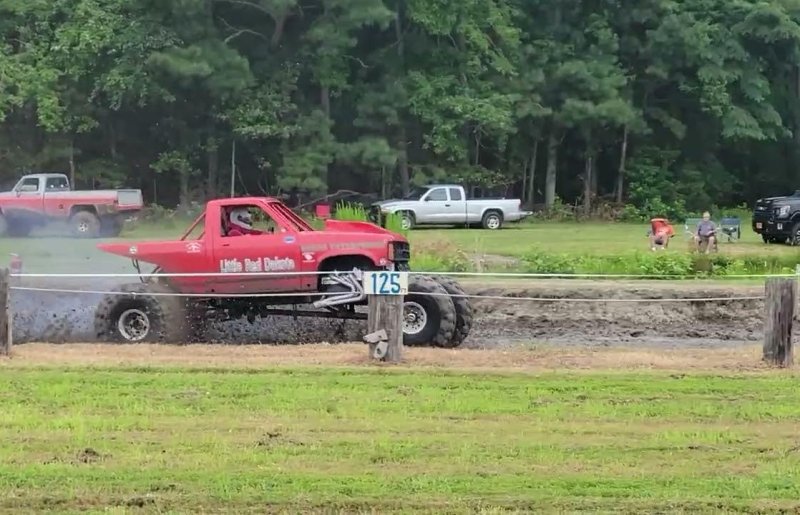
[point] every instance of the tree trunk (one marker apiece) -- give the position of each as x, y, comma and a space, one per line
623, 155
112, 140
72, 161
212, 153
588, 170
184, 189
402, 136
552, 169
532, 174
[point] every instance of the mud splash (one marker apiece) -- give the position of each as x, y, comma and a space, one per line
510, 321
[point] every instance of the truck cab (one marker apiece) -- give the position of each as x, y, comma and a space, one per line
284, 253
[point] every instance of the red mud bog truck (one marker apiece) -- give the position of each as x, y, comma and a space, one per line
39, 199
220, 276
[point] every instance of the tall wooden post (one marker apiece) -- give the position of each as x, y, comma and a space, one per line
780, 310
385, 290
5, 323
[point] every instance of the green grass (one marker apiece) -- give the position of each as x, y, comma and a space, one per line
602, 239
189, 440
541, 247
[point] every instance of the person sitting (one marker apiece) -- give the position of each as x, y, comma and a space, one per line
241, 223
660, 233
706, 234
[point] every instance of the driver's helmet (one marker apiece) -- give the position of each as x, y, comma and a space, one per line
241, 218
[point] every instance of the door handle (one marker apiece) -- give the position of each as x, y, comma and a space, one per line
447, 205
225, 245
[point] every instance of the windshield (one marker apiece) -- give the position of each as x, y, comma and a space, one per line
416, 194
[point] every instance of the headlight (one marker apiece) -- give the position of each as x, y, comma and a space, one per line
784, 211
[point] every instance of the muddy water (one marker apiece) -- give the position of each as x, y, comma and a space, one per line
511, 321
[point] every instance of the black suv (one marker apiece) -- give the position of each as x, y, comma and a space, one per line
777, 219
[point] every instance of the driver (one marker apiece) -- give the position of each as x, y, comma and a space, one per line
241, 223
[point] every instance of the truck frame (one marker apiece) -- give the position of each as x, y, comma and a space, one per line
214, 276
38, 199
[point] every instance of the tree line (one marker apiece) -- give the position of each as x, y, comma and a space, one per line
658, 104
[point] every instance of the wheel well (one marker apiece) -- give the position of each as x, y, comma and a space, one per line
78, 209
345, 263
493, 210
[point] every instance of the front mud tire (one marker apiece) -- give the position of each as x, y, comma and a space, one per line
134, 315
429, 314
463, 307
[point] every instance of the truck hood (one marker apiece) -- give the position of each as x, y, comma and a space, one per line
155, 252
393, 203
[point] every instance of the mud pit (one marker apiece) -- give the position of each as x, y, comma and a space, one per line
507, 322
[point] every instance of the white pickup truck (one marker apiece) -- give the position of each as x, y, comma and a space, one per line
446, 204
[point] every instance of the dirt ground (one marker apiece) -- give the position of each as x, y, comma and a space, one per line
522, 359
575, 313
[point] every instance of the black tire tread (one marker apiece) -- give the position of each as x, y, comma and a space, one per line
424, 284
464, 312
169, 311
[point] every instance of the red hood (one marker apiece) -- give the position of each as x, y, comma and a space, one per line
156, 252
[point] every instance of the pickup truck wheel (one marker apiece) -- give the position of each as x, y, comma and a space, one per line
111, 227
407, 221
85, 224
794, 239
492, 220
429, 315
18, 229
464, 313
141, 318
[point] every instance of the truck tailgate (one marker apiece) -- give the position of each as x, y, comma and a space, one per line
129, 198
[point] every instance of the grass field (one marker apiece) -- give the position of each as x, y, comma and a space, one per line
252, 437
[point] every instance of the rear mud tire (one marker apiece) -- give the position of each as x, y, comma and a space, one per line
111, 227
141, 318
429, 315
84, 224
464, 312
492, 220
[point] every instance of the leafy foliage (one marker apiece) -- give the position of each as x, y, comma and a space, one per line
663, 106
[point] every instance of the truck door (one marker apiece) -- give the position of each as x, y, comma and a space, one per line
273, 255
54, 205
29, 200
434, 207
456, 207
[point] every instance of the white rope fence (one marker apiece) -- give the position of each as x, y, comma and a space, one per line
518, 275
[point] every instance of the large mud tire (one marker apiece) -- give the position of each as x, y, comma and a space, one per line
429, 315
142, 318
84, 224
464, 312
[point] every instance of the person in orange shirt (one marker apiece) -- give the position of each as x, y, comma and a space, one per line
660, 233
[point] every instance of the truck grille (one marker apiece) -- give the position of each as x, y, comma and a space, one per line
402, 252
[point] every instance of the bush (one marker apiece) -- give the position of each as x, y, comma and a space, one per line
666, 265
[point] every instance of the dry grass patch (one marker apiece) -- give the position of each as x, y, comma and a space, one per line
530, 359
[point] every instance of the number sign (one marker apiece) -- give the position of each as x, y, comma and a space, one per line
386, 282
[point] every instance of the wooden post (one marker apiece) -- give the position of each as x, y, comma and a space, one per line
385, 290
5, 323
385, 328
780, 310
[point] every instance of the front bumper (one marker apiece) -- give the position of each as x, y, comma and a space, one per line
770, 226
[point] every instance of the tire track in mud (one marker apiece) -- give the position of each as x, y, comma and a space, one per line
67, 317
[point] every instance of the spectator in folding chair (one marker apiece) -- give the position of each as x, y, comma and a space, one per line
660, 233
706, 234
